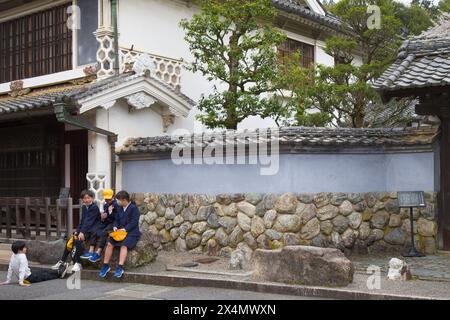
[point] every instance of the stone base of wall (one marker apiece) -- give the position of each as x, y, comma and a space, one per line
360, 223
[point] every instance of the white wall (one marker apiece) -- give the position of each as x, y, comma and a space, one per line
153, 26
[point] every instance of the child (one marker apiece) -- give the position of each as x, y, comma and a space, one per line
86, 231
18, 267
108, 217
127, 219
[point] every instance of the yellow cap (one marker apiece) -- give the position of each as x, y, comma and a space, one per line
108, 194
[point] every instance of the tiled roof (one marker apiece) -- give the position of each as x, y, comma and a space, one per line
293, 138
40, 98
293, 6
422, 61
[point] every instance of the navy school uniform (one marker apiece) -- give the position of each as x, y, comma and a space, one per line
111, 217
90, 223
129, 220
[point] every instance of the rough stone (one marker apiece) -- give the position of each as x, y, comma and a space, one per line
160, 223
395, 236
426, 227
307, 213
178, 221
164, 236
310, 229
193, 240
340, 223
291, 239
174, 234
327, 212
269, 201
429, 212
213, 219
244, 221
185, 228
371, 199
237, 197
247, 208
224, 199
355, 197
355, 220
170, 214
391, 207
286, 203
250, 240
273, 235
253, 198
45, 252
303, 265
236, 237
228, 223
150, 218
326, 227
230, 210
199, 227
211, 247
349, 237
263, 242
320, 241
346, 208
269, 218
306, 197
143, 254
187, 215
204, 212
180, 245
207, 235
380, 219
338, 198
222, 237
287, 223
322, 199
395, 220
364, 230
225, 252
360, 206
375, 235
257, 226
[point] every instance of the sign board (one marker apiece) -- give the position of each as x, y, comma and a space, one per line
411, 199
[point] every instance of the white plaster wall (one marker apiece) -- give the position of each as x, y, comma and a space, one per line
153, 26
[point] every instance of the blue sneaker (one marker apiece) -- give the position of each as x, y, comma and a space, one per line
95, 258
104, 271
86, 256
119, 273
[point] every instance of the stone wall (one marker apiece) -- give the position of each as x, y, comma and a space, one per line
353, 222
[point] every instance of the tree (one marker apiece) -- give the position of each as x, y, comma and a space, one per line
342, 95
233, 43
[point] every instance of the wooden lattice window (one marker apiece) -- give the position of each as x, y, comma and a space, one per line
35, 45
290, 47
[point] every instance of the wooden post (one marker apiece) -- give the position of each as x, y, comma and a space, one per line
48, 219
8, 221
27, 218
69, 216
58, 218
18, 219
37, 221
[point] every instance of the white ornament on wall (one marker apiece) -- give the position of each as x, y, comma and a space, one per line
97, 183
140, 100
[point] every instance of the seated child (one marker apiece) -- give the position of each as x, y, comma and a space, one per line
18, 267
108, 217
127, 219
86, 231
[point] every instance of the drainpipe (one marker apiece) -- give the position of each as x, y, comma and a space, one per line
114, 6
64, 115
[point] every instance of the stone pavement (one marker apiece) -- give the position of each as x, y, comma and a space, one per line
433, 267
431, 274
100, 290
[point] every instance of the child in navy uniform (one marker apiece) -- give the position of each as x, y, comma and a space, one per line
87, 231
127, 219
108, 217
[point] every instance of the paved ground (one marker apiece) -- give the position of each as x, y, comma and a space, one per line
432, 267
99, 290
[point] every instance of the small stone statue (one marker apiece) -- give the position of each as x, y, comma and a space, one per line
399, 270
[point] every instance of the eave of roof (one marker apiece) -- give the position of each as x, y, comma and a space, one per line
423, 62
295, 140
